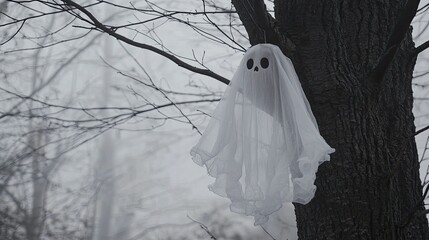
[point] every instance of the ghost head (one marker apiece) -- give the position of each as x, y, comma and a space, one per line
262, 145
258, 71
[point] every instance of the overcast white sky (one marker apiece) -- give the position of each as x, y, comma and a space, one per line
153, 168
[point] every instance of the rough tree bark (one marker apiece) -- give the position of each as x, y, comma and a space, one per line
371, 187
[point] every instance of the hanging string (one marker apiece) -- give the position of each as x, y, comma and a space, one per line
265, 35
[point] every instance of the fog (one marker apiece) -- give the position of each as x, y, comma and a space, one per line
96, 133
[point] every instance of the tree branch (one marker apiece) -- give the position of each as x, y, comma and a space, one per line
393, 44
13, 35
421, 48
420, 131
422, 8
415, 209
261, 27
112, 32
258, 22
204, 227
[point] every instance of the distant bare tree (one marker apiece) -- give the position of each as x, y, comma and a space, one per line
355, 61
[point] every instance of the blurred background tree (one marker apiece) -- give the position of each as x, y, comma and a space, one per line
96, 131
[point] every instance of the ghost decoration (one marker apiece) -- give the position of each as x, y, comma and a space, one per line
262, 144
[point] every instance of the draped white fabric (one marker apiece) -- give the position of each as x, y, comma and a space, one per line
262, 143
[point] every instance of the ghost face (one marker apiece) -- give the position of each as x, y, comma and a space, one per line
264, 64
260, 77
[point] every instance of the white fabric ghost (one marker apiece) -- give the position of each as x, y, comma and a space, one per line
262, 143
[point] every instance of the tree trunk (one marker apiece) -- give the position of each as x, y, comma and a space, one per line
371, 187
105, 169
35, 222
105, 173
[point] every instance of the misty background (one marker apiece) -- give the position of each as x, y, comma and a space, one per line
95, 134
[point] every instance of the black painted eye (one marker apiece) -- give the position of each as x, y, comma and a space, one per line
249, 63
264, 62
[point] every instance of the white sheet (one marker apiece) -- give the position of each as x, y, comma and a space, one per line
262, 144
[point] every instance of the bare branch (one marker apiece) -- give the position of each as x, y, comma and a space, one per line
204, 227
13, 35
424, 8
112, 32
51, 78
421, 48
421, 130
398, 34
59, 10
415, 209
261, 26
258, 22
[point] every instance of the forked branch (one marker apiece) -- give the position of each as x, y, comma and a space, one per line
398, 34
112, 32
421, 48
258, 22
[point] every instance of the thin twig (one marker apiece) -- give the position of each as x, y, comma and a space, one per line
204, 227
112, 32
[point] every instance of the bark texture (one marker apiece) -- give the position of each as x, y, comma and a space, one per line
371, 187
